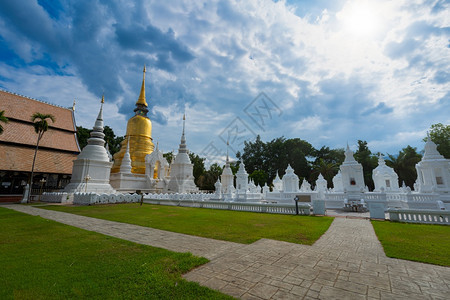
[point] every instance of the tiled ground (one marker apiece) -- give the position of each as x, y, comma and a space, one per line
347, 262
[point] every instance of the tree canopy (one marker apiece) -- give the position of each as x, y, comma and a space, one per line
440, 135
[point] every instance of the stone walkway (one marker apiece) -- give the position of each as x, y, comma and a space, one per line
347, 262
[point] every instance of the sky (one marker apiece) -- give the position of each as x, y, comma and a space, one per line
328, 72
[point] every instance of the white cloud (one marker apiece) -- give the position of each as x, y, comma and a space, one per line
216, 56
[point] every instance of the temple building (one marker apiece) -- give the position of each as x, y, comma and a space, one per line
92, 168
58, 147
138, 136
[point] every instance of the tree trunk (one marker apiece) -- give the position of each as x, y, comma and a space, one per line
32, 167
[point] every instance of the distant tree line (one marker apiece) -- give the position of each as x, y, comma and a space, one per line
264, 159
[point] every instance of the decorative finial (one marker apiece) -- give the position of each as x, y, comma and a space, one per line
141, 100
228, 144
103, 98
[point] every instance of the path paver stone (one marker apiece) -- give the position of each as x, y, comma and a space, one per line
347, 262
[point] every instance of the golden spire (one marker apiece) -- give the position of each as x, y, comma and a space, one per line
103, 98
141, 99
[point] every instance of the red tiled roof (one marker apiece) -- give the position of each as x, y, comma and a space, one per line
20, 130
58, 147
23, 133
21, 108
20, 158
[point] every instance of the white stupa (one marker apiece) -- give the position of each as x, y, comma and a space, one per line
352, 173
321, 184
227, 177
306, 186
337, 183
181, 170
92, 167
218, 187
433, 171
385, 177
290, 181
241, 179
277, 184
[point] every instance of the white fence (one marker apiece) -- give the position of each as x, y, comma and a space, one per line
55, 197
304, 209
420, 216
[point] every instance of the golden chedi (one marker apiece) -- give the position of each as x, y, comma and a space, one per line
139, 135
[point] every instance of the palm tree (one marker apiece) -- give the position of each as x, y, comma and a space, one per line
40, 127
327, 169
3, 119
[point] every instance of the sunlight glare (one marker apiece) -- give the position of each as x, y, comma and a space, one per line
359, 18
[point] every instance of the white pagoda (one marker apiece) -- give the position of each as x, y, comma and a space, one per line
290, 181
92, 167
181, 170
384, 177
433, 171
352, 173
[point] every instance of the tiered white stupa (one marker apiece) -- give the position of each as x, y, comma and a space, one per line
385, 177
352, 173
321, 184
241, 179
290, 181
227, 178
181, 170
433, 171
277, 184
92, 167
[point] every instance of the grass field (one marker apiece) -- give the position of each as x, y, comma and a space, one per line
417, 242
42, 259
240, 227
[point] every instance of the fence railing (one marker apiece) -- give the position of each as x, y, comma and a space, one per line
420, 216
304, 209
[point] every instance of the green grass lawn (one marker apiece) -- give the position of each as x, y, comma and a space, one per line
418, 242
43, 259
240, 227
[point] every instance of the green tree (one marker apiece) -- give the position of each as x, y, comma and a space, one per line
112, 140
3, 119
40, 127
440, 135
169, 156
336, 156
199, 166
209, 177
259, 177
274, 156
327, 169
404, 164
83, 135
368, 161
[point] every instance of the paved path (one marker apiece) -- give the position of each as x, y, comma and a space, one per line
347, 262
